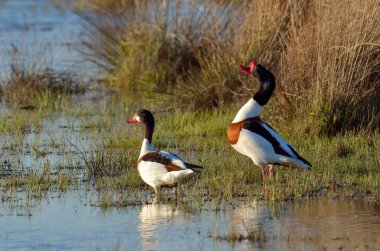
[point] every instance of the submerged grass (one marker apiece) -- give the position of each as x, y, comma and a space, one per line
38, 184
344, 166
257, 237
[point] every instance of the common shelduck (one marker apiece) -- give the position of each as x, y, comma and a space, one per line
159, 168
250, 136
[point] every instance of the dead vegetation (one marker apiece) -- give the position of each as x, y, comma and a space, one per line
30, 84
325, 55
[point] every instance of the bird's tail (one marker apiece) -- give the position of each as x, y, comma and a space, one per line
294, 162
193, 167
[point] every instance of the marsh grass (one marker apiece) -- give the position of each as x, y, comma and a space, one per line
103, 161
101, 5
349, 162
326, 62
32, 85
347, 167
257, 237
20, 123
38, 184
23, 193
160, 46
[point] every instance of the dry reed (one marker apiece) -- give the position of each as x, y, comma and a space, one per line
324, 54
31, 84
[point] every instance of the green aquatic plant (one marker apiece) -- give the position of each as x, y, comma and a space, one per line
103, 160
227, 175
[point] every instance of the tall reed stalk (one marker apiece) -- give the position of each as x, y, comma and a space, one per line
325, 55
31, 83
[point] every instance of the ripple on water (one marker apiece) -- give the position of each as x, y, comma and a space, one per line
69, 223
40, 30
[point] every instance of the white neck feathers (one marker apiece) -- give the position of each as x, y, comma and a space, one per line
249, 110
146, 147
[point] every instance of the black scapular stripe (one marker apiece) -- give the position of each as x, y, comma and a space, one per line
257, 127
156, 157
162, 159
189, 165
271, 128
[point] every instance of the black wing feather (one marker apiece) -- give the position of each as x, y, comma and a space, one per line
156, 157
193, 167
258, 128
299, 156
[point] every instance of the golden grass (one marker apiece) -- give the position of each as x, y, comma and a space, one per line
32, 85
326, 58
324, 54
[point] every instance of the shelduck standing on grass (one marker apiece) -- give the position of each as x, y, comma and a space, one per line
159, 168
250, 136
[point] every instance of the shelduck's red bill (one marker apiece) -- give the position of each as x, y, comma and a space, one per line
246, 69
249, 69
131, 121
252, 64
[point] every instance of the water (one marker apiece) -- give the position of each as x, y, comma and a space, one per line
57, 143
69, 223
45, 35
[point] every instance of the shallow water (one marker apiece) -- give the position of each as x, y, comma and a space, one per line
45, 35
70, 223
56, 143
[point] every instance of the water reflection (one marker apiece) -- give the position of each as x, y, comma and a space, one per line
333, 225
248, 218
154, 222
311, 225
321, 224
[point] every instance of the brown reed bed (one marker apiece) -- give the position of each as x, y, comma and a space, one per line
326, 61
30, 84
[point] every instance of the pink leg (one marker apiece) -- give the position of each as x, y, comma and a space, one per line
264, 173
271, 171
